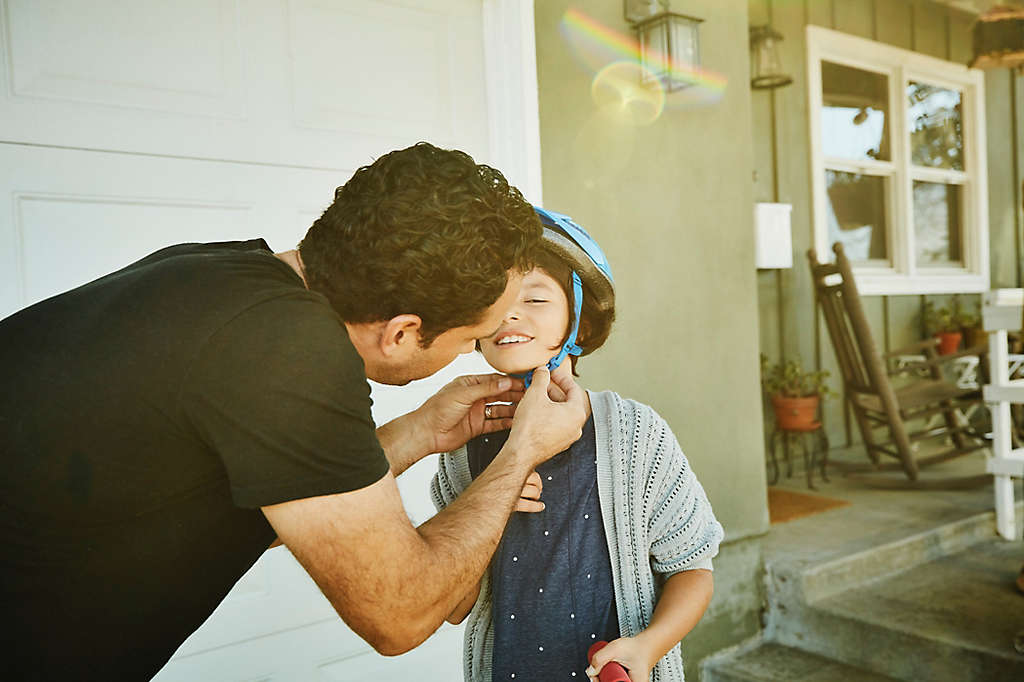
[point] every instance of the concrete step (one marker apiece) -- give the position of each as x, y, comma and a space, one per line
932, 622
772, 662
811, 582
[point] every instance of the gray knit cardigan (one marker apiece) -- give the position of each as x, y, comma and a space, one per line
657, 520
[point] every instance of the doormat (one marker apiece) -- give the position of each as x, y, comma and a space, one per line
786, 505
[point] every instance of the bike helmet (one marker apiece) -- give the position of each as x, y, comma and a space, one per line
590, 273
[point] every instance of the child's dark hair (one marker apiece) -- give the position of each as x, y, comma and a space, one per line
595, 322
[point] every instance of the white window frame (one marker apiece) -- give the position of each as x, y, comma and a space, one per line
903, 276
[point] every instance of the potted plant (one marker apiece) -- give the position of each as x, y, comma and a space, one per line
795, 393
948, 323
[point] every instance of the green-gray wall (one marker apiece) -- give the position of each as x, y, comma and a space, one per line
671, 203
790, 327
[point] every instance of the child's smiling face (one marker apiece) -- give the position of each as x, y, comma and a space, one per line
533, 329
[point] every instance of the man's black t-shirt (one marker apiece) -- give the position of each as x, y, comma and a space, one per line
144, 420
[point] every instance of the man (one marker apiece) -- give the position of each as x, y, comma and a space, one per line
163, 424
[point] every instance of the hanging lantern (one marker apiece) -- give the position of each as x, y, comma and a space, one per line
765, 65
636, 11
670, 48
999, 38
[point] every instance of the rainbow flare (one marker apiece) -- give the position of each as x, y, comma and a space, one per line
597, 46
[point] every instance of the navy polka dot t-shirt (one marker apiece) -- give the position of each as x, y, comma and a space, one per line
551, 578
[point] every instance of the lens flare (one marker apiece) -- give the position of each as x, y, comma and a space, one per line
628, 89
605, 51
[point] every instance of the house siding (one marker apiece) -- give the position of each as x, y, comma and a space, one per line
790, 326
671, 204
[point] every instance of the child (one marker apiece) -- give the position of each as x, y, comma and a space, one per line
621, 548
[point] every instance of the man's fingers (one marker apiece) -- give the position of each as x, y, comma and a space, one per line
499, 411
566, 383
556, 393
474, 387
511, 396
540, 381
492, 425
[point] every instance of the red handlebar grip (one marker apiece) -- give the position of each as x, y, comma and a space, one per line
612, 671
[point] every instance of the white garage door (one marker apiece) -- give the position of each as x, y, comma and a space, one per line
127, 126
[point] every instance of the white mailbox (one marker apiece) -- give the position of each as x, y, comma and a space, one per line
773, 238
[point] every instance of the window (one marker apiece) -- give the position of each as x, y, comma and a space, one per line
898, 165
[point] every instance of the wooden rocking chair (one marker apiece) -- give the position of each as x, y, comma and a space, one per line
884, 412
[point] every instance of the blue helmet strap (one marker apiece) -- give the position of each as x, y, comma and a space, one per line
569, 347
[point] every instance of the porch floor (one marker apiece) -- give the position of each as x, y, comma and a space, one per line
875, 516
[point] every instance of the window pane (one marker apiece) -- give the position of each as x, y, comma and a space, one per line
937, 224
854, 113
934, 119
856, 215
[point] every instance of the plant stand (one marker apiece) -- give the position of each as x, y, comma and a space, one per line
812, 441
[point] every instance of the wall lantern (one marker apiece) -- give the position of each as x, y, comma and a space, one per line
669, 42
765, 65
999, 38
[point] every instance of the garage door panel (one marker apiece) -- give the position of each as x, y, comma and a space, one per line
110, 54
395, 55
69, 216
67, 229
299, 82
400, 73
438, 660
276, 584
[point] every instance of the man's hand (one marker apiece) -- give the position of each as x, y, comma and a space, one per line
452, 416
629, 652
564, 370
544, 427
460, 410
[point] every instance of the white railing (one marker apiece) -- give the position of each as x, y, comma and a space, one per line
1002, 312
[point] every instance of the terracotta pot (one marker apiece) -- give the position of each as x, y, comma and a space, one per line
949, 342
795, 414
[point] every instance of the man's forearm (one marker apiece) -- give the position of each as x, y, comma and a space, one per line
402, 441
394, 584
460, 539
463, 608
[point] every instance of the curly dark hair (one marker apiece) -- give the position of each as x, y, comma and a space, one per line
422, 230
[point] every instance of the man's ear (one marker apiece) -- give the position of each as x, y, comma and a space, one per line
400, 334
